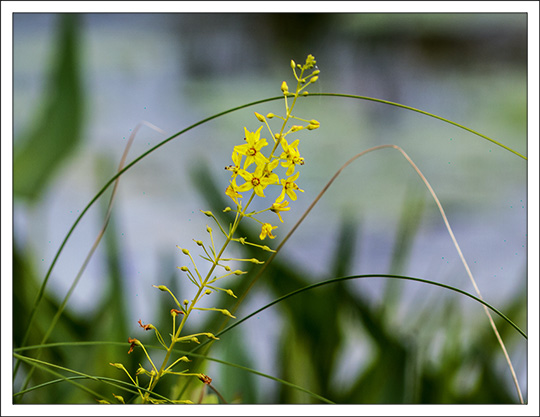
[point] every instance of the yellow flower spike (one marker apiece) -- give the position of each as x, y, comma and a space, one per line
260, 117
277, 207
266, 230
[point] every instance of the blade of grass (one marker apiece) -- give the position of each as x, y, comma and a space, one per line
403, 106
104, 379
347, 278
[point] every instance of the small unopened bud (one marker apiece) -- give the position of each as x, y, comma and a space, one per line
227, 209
208, 213
293, 64
161, 287
260, 117
208, 229
284, 87
313, 79
313, 124
305, 93
227, 268
198, 242
231, 293
186, 302
208, 292
270, 115
255, 261
316, 72
238, 272
183, 268
184, 251
296, 128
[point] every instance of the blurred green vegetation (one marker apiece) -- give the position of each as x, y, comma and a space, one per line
310, 347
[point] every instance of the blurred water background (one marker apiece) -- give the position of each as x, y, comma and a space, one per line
175, 69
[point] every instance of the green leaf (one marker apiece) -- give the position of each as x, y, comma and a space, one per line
54, 136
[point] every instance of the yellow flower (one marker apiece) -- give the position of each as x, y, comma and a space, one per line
237, 159
257, 181
268, 171
231, 192
266, 230
291, 155
289, 187
252, 149
277, 207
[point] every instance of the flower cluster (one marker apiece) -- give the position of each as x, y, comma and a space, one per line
257, 170
252, 171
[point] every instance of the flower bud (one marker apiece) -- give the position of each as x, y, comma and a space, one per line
284, 87
314, 79
208, 229
270, 115
183, 268
208, 292
293, 64
198, 242
260, 117
296, 128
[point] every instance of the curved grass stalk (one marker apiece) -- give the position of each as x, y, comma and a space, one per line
391, 103
447, 224
126, 385
351, 277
